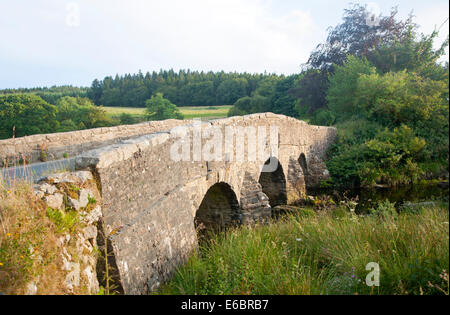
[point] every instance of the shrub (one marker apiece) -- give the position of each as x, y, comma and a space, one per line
385, 211
159, 108
22, 115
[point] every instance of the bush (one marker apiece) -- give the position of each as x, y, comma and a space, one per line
23, 115
385, 211
76, 113
250, 105
127, 119
344, 86
159, 108
392, 157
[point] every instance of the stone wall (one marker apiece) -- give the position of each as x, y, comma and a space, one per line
70, 144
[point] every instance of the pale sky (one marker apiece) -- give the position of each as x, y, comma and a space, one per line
59, 42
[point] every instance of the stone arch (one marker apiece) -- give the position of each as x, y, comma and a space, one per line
219, 209
273, 183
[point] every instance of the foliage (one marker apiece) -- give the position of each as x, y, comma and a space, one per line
354, 36
368, 154
385, 211
159, 108
260, 101
283, 100
367, 77
28, 114
344, 84
81, 114
397, 98
412, 53
184, 88
64, 220
22, 115
324, 117
310, 90
50, 95
392, 157
250, 105
321, 254
127, 119
229, 91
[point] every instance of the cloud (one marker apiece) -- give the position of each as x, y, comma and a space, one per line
114, 36
201, 34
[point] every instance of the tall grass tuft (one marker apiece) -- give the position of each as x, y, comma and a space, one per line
323, 254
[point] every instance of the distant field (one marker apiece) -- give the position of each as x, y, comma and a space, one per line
188, 112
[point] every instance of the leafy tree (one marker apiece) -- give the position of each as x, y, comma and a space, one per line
95, 92
82, 113
250, 105
310, 90
22, 115
266, 87
392, 157
323, 117
343, 86
283, 100
399, 98
391, 100
230, 91
355, 36
412, 53
159, 108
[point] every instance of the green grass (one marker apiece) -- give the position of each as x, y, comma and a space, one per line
188, 112
323, 254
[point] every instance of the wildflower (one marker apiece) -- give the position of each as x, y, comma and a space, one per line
8, 234
299, 239
1, 264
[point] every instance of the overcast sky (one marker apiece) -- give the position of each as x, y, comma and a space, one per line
58, 42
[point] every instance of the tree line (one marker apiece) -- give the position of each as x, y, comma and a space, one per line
183, 88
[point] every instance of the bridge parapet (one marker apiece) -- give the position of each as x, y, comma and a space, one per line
59, 145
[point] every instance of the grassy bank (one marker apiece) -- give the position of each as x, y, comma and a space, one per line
188, 112
324, 253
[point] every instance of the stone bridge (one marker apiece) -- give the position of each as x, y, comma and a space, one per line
153, 205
